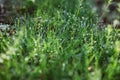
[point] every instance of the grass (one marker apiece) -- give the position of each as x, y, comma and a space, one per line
63, 44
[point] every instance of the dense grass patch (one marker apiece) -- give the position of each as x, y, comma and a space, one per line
62, 44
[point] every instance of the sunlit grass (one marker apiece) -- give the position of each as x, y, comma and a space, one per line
63, 45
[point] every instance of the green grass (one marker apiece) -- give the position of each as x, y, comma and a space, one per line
64, 44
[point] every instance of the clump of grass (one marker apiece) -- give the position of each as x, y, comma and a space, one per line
67, 45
